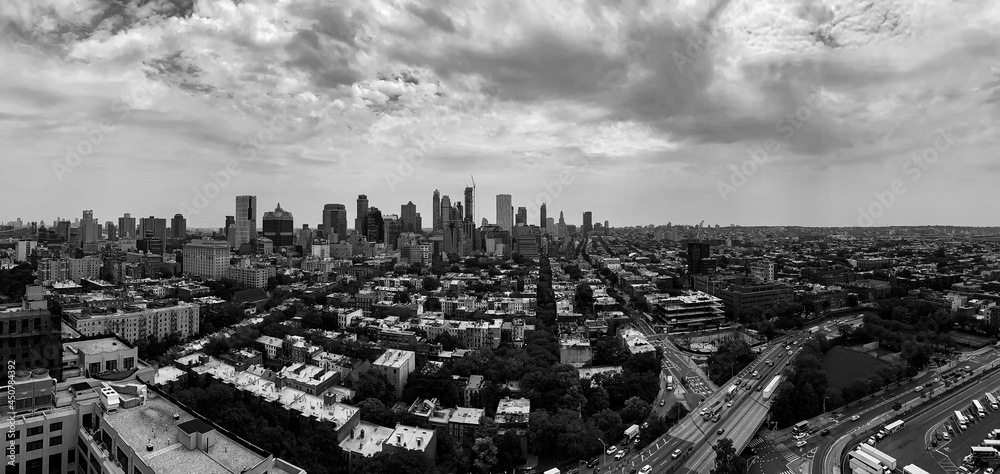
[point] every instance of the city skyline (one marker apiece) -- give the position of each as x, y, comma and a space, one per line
742, 127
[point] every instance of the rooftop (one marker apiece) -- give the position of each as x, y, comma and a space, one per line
153, 423
366, 439
103, 345
393, 358
410, 437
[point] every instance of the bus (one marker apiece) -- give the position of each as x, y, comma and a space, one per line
893, 427
801, 426
992, 401
979, 408
670, 383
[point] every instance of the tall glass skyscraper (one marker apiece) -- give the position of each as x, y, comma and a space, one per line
505, 213
246, 220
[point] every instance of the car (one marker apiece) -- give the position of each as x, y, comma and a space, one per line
573, 471
759, 388
800, 443
594, 462
919, 388
945, 436
755, 373
663, 402
988, 470
937, 434
799, 435
676, 454
721, 430
620, 454
611, 450
730, 403
871, 441
789, 352
825, 432
646, 424
646, 469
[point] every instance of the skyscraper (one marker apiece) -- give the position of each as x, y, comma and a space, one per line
246, 220
470, 205
178, 227
408, 217
110, 231
588, 223
436, 210
126, 227
522, 216
230, 228
335, 221
279, 227
361, 222
697, 251
606, 228
505, 218
562, 230
152, 227
90, 230
543, 217
376, 227
445, 211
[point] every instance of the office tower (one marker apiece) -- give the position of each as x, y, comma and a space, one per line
152, 228
305, 238
279, 227
90, 230
543, 217
420, 224
206, 258
697, 251
335, 222
376, 227
246, 220
230, 227
522, 216
607, 228
459, 212
408, 217
391, 227
361, 222
126, 227
436, 210
505, 217
550, 224
110, 231
178, 227
470, 205
563, 232
63, 230
588, 223
445, 211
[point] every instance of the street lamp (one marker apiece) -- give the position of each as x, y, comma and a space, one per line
605, 451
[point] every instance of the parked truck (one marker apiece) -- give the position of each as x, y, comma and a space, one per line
960, 418
884, 459
992, 401
771, 387
893, 427
913, 469
862, 461
980, 410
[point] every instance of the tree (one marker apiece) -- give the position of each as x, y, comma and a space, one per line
508, 450
371, 384
484, 455
852, 300
635, 410
609, 422
430, 283
726, 459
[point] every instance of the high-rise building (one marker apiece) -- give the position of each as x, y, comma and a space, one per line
178, 227
126, 227
152, 228
408, 218
31, 337
376, 227
697, 251
470, 204
563, 231
335, 222
391, 228
543, 217
110, 231
279, 227
445, 211
90, 230
588, 223
607, 228
459, 214
522, 216
206, 258
361, 222
230, 227
436, 210
505, 217
246, 220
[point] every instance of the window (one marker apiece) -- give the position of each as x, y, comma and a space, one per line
71, 456
55, 426
55, 441
94, 368
35, 431
14, 435
33, 466
111, 365
55, 463
128, 363
34, 446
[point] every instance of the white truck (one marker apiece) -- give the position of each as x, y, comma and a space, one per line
960, 418
731, 392
670, 383
893, 427
632, 432
771, 387
992, 401
980, 410
863, 462
913, 469
884, 459
553, 471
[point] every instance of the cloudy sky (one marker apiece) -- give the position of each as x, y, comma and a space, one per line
641, 111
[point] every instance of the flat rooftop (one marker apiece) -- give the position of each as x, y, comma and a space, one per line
153, 423
393, 358
368, 444
97, 346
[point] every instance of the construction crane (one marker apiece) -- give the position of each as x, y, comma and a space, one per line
474, 202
